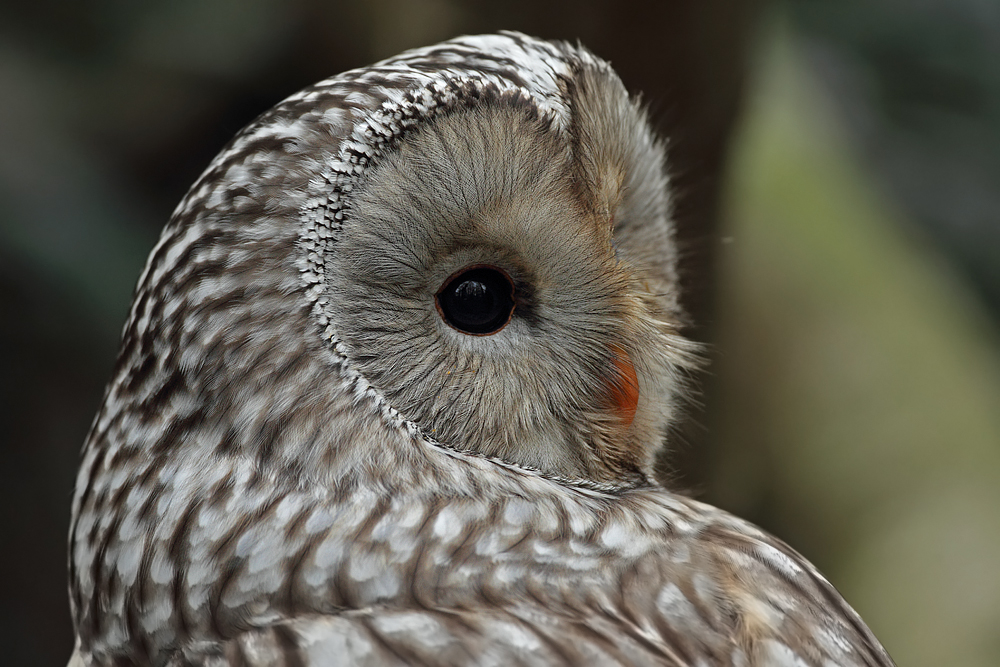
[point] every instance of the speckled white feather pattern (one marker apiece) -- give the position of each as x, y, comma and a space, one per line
257, 489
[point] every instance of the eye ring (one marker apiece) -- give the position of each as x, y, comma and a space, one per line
476, 300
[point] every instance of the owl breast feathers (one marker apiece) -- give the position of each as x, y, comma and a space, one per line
390, 390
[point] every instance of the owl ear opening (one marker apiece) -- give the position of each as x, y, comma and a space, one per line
603, 143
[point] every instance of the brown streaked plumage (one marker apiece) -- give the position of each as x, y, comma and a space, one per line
332, 437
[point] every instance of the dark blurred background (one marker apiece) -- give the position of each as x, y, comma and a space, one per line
836, 168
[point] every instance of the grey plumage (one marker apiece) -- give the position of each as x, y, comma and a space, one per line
299, 461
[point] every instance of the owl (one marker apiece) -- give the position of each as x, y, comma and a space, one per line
390, 392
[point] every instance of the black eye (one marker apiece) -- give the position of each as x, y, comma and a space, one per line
477, 300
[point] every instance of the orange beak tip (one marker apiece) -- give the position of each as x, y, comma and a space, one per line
624, 386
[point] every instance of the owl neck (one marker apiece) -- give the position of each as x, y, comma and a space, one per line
197, 542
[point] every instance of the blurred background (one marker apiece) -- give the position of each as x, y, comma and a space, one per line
836, 166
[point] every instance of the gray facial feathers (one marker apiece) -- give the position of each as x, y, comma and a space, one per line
492, 184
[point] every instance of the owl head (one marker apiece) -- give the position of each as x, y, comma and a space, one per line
475, 236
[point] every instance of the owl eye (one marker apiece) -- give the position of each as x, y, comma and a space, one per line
478, 300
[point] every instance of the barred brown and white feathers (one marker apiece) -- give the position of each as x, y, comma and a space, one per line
391, 387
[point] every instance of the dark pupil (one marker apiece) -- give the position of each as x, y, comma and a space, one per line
477, 301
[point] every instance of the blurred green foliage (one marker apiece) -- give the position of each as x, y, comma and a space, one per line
859, 383
918, 85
